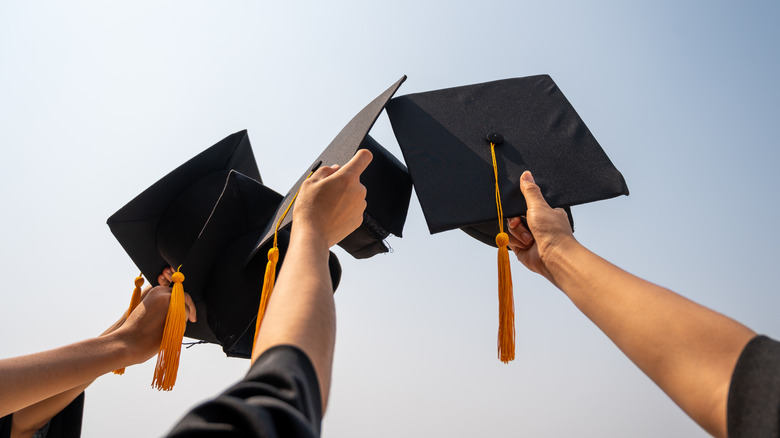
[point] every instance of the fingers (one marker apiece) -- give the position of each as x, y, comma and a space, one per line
164, 279
355, 166
515, 244
531, 192
520, 233
358, 163
190, 306
323, 172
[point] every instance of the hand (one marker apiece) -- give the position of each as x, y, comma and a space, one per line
164, 279
549, 229
142, 331
331, 202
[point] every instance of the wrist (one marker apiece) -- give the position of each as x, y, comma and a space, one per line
122, 348
308, 237
554, 253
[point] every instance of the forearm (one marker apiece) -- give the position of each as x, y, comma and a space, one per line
301, 310
33, 417
686, 349
26, 380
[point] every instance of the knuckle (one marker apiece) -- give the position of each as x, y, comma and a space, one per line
560, 212
532, 188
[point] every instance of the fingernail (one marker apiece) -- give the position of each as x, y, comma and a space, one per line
527, 238
526, 176
513, 222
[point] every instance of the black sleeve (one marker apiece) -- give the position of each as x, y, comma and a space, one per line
279, 397
5, 425
754, 394
66, 424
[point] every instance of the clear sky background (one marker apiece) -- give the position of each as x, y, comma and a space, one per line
98, 100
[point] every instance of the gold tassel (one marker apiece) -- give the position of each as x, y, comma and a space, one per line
270, 270
170, 347
268, 287
506, 301
135, 300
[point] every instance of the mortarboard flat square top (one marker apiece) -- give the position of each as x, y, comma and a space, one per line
444, 135
386, 179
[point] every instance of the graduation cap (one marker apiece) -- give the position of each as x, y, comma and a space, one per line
388, 190
466, 148
205, 216
387, 181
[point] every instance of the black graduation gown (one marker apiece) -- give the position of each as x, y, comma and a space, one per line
279, 397
66, 424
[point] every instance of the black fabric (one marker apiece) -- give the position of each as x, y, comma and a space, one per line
5, 426
209, 228
754, 394
231, 309
387, 182
66, 424
136, 224
279, 397
444, 134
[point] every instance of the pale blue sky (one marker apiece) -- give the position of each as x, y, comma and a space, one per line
98, 100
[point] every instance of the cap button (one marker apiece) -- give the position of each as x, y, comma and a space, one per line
495, 138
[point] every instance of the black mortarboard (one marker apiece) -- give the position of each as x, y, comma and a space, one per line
207, 215
386, 179
446, 137
444, 134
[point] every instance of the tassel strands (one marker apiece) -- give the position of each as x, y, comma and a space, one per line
170, 348
135, 300
268, 287
506, 301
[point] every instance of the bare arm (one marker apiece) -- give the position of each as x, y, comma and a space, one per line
54, 377
30, 419
301, 311
688, 350
28, 379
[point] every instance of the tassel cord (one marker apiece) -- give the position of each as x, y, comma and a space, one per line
506, 306
270, 270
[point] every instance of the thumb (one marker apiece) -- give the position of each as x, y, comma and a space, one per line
531, 192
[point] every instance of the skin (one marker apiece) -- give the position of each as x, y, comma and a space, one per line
688, 350
301, 311
35, 387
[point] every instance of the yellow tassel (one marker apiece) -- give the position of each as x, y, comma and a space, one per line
506, 302
268, 287
170, 347
135, 300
